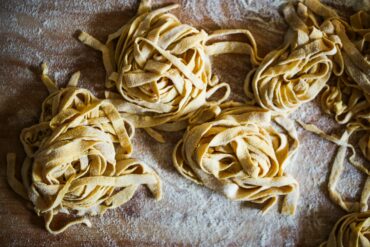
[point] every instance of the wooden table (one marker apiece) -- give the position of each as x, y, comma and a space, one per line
41, 30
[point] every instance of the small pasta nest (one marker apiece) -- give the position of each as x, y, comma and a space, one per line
240, 154
351, 230
349, 99
78, 158
296, 72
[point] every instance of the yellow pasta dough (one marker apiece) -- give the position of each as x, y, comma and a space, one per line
161, 68
237, 152
352, 230
338, 166
78, 158
348, 99
297, 71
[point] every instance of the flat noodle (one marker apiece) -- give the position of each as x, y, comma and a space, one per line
338, 166
351, 230
297, 71
349, 99
78, 158
161, 67
238, 153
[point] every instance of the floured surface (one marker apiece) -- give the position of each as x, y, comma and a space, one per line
188, 214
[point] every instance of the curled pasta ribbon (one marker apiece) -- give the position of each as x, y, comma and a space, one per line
349, 99
346, 101
238, 153
78, 158
161, 67
338, 164
296, 72
351, 230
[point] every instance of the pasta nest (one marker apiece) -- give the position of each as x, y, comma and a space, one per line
351, 230
297, 71
349, 99
161, 67
78, 158
240, 154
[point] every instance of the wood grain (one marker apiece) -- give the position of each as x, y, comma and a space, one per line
42, 30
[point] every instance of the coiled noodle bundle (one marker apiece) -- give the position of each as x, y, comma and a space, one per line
295, 73
78, 158
161, 67
351, 230
240, 155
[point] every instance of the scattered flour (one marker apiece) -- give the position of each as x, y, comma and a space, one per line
40, 30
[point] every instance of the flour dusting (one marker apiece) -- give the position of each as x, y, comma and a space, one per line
41, 30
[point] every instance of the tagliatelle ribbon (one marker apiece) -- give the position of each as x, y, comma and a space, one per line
78, 158
338, 165
161, 68
237, 152
348, 99
297, 71
351, 230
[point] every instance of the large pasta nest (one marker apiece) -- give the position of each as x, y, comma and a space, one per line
240, 154
78, 159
